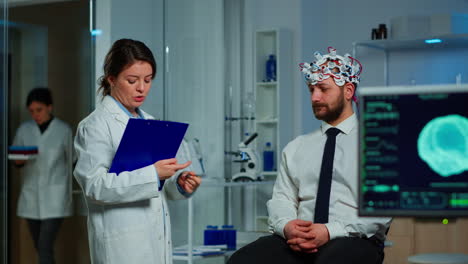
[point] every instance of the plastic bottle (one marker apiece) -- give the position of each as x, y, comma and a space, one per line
374, 34
212, 236
229, 236
382, 31
249, 111
271, 68
268, 157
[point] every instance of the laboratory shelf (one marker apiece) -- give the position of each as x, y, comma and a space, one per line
447, 41
267, 121
388, 45
273, 100
267, 84
187, 258
214, 183
218, 183
269, 173
195, 257
244, 238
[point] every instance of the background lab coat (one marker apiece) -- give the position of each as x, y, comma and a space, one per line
46, 191
128, 220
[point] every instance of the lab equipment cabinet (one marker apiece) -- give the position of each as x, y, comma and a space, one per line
273, 93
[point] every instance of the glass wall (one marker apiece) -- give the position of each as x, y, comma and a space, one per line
48, 45
3, 132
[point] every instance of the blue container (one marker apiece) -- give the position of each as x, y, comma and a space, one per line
212, 236
268, 158
229, 236
271, 68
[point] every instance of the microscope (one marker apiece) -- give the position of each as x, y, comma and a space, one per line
250, 168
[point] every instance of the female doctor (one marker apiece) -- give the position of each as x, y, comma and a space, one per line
45, 197
128, 220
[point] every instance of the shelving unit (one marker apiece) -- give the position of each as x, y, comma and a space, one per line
387, 45
452, 41
272, 99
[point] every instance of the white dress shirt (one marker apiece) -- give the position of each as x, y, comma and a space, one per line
295, 191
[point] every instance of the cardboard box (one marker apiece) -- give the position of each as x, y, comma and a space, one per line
421, 26
410, 27
444, 24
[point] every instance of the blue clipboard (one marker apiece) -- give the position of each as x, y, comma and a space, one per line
146, 141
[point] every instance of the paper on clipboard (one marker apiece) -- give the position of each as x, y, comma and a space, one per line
146, 141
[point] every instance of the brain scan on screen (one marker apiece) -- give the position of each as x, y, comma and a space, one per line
443, 145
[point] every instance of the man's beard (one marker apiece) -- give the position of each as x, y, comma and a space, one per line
331, 114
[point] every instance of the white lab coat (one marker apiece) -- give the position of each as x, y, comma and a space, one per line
128, 218
46, 191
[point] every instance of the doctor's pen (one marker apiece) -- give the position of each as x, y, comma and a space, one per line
196, 146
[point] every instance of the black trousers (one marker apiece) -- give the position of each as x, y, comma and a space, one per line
274, 249
44, 232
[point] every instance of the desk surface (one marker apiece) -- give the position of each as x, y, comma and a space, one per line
439, 258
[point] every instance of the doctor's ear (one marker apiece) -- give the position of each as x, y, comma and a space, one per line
111, 81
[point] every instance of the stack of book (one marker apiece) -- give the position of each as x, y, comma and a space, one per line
22, 152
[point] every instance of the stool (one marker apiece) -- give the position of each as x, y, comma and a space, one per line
438, 258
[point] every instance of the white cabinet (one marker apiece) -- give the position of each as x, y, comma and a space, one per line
273, 107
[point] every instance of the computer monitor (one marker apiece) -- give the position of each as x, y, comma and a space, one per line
413, 157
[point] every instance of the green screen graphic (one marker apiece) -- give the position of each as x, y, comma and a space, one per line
443, 145
414, 154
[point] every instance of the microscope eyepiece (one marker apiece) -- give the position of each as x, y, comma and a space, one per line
252, 137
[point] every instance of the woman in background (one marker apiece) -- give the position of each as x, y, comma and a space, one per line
128, 216
45, 197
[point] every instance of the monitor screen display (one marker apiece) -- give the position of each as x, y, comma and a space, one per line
413, 156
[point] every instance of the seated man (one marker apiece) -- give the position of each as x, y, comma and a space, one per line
313, 212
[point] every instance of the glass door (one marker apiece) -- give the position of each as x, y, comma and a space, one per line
48, 45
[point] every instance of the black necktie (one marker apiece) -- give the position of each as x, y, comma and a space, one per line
323, 194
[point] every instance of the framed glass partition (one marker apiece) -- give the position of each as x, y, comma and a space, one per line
4, 71
48, 45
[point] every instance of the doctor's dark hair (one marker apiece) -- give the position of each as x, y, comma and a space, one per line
123, 53
39, 94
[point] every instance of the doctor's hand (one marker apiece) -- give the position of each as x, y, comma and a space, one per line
20, 162
166, 168
189, 181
